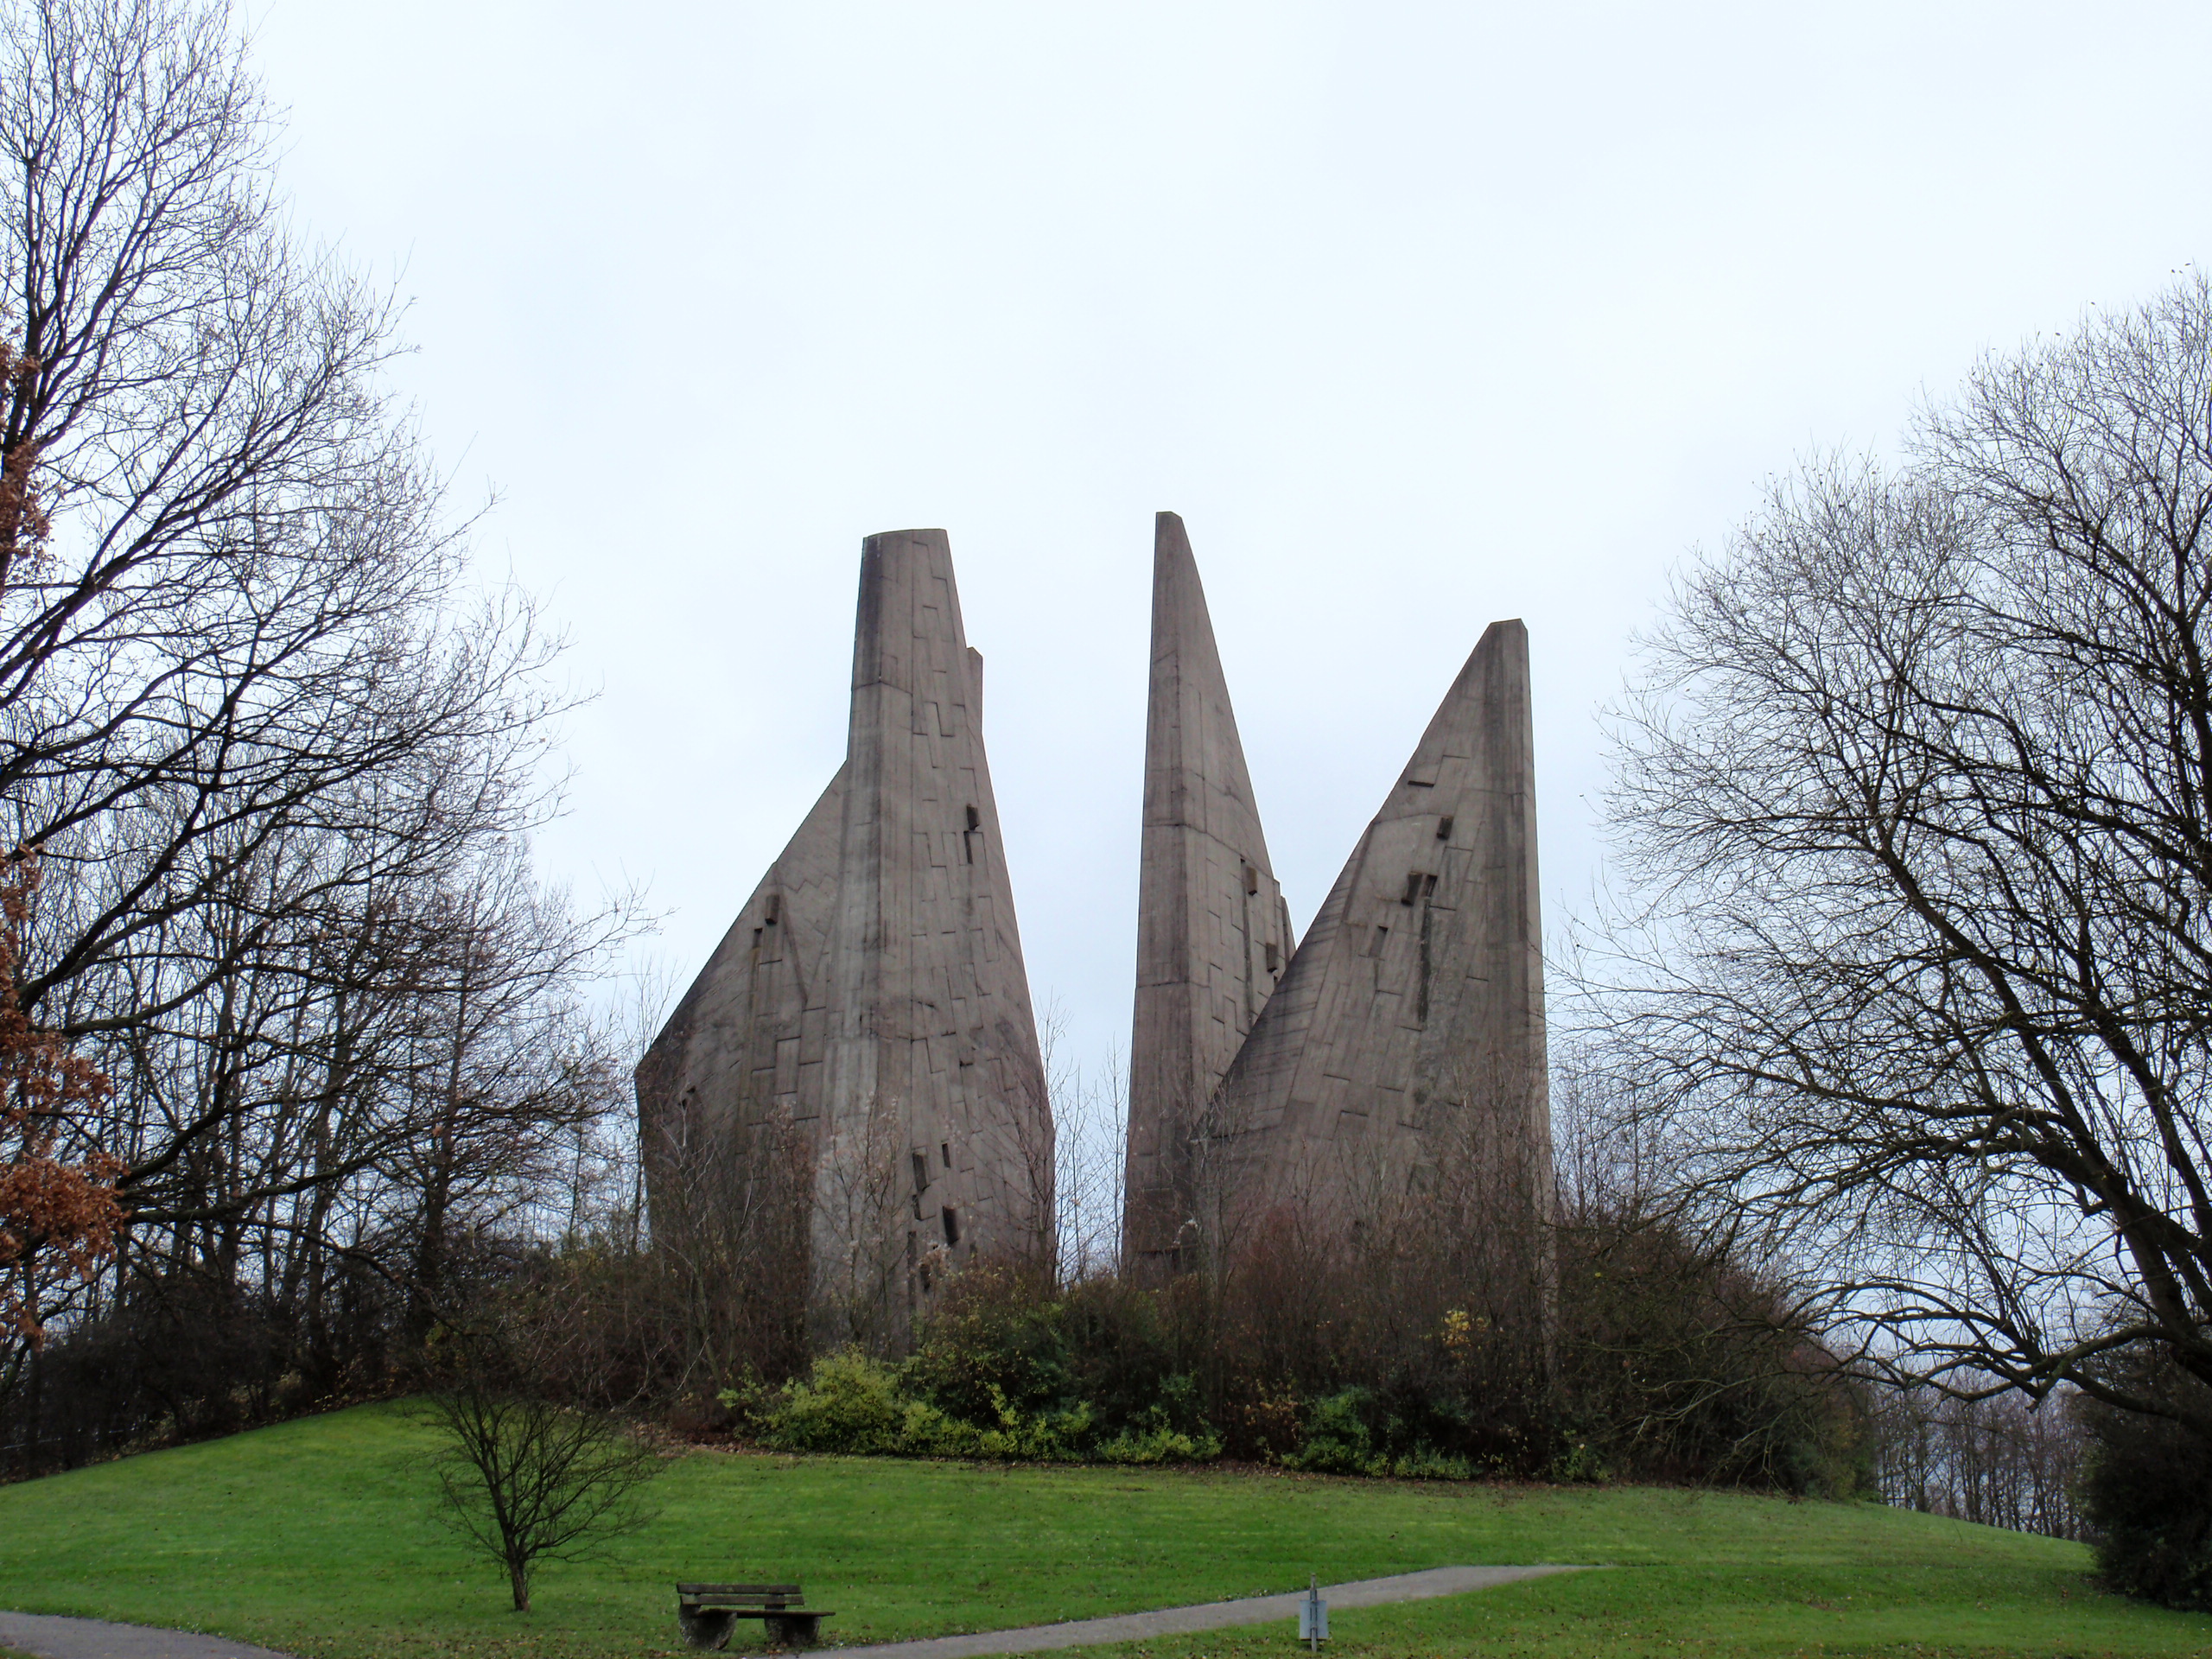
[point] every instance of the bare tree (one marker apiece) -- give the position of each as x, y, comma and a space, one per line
240, 627
230, 632
1033, 1196
506, 1066
525, 1480
731, 1261
1915, 790
863, 1259
1090, 1119
2001, 1462
276, 752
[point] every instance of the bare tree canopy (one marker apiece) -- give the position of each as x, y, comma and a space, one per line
274, 751
1915, 793
233, 630
524, 1480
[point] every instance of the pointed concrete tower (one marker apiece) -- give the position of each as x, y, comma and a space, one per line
1213, 933
1409, 1029
869, 1013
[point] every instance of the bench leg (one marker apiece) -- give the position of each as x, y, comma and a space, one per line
793, 1630
707, 1629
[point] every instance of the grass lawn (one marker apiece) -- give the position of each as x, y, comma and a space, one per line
319, 1537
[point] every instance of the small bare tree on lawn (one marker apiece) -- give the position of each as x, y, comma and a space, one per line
527, 1480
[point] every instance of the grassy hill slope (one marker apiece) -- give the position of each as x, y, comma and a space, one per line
319, 1537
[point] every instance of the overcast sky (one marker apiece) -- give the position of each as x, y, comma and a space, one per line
1422, 315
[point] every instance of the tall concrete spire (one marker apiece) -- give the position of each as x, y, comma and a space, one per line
1213, 934
1410, 1026
872, 997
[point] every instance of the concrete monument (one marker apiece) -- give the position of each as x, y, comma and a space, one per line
856, 1068
1213, 933
1403, 1043
865, 1023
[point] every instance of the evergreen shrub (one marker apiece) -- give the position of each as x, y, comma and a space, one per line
1659, 1359
2147, 1489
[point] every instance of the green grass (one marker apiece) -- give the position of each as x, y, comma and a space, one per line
319, 1537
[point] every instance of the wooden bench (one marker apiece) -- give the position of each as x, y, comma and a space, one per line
708, 1611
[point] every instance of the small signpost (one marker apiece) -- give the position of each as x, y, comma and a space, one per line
1313, 1615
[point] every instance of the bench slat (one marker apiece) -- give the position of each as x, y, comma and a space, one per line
738, 1589
769, 1612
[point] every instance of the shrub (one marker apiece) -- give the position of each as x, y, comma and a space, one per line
1012, 1368
1158, 1445
862, 1407
1123, 1358
1422, 1464
2147, 1489
848, 1402
1338, 1440
994, 1344
1678, 1361
1663, 1358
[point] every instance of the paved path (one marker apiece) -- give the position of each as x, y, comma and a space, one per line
52, 1637
1208, 1615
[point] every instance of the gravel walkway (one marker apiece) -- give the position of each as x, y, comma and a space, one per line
1208, 1615
52, 1637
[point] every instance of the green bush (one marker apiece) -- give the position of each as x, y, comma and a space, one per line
1577, 1465
1678, 1362
1666, 1359
2147, 1489
847, 1403
862, 1407
1424, 1464
1338, 1440
1158, 1444
1124, 1358
993, 1345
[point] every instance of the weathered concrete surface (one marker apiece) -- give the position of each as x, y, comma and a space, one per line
1213, 933
748, 1037
1208, 1615
52, 1637
871, 995
1410, 1026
